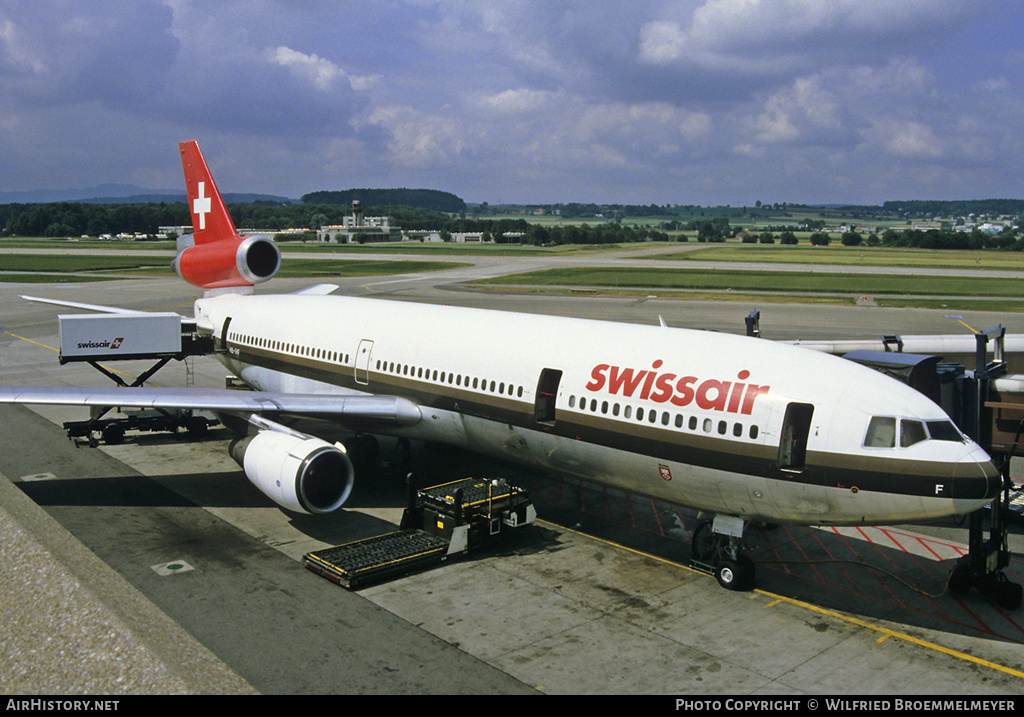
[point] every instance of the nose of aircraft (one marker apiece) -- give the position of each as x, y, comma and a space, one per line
976, 482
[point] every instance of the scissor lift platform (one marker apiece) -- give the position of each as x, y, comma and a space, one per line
441, 522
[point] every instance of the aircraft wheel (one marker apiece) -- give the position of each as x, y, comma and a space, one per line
113, 434
736, 574
728, 574
196, 426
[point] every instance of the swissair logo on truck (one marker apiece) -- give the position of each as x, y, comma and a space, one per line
112, 345
650, 385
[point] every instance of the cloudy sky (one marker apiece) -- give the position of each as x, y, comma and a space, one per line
671, 101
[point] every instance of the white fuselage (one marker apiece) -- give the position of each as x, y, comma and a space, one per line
720, 423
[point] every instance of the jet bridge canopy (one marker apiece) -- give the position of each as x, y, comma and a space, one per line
916, 370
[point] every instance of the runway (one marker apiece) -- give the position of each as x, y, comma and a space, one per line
595, 599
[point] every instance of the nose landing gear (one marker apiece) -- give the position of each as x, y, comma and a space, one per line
716, 548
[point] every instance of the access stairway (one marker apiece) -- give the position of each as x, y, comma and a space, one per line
441, 522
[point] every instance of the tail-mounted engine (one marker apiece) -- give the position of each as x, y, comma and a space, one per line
242, 261
298, 472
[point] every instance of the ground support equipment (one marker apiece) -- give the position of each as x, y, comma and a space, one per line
112, 429
441, 522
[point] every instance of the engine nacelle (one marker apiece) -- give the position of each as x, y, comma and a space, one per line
303, 474
242, 261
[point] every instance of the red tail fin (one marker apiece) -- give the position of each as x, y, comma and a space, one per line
215, 257
210, 218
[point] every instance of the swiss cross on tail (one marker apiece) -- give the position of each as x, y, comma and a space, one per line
214, 257
210, 219
201, 207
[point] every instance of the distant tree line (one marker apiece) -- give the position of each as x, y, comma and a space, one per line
432, 199
604, 233
77, 219
711, 230
69, 219
1008, 239
954, 208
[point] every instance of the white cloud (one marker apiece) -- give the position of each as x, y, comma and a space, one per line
517, 101
718, 33
662, 41
805, 109
16, 53
323, 74
419, 139
527, 96
906, 139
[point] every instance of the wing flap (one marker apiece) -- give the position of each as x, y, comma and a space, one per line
390, 410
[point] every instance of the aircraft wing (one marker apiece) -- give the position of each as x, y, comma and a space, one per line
85, 307
379, 410
315, 290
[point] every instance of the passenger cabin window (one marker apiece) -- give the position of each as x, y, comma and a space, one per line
796, 427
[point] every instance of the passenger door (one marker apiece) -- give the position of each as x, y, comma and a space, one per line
363, 354
547, 394
796, 428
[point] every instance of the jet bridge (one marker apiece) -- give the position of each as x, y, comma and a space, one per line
440, 523
988, 406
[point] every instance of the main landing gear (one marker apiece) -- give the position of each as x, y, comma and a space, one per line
716, 548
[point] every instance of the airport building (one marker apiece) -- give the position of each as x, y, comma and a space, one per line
358, 228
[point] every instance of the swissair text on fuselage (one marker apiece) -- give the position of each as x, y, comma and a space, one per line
710, 394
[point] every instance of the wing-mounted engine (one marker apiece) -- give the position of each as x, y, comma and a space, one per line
298, 472
240, 261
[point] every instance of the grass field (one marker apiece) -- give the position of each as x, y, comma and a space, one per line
43, 267
360, 267
77, 262
425, 248
788, 281
851, 256
724, 282
885, 289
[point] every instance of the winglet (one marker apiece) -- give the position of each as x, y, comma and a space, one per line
210, 219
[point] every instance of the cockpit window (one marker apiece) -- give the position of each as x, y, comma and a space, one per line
944, 431
911, 432
881, 432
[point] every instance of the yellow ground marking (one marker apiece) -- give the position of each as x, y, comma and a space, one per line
885, 633
30, 341
22, 338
